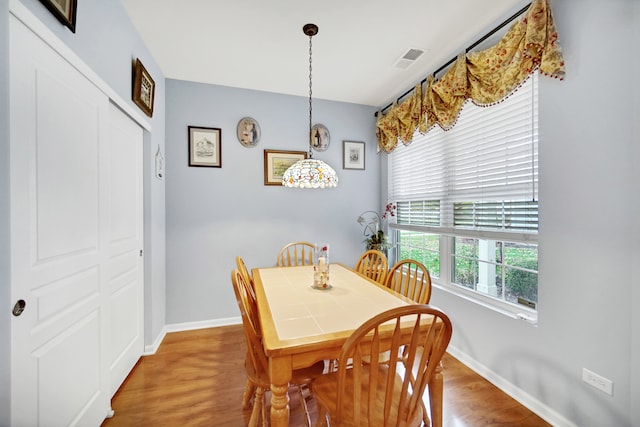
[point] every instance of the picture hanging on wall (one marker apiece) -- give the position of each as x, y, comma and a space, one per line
248, 132
143, 88
276, 162
352, 155
64, 10
204, 147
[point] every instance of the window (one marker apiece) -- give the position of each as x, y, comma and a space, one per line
468, 204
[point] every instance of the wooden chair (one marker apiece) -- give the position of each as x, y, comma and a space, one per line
256, 362
411, 279
373, 264
385, 394
296, 253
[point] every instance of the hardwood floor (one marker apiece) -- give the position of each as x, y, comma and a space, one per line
196, 378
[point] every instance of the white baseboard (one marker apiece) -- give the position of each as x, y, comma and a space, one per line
188, 326
539, 408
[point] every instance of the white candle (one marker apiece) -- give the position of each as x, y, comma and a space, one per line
322, 261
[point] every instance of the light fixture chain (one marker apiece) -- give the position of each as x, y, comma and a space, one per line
310, 93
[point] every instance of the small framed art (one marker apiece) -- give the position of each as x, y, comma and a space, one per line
64, 10
276, 162
205, 147
352, 155
143, 88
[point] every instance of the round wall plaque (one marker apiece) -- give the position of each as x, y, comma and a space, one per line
320, 137
248, 132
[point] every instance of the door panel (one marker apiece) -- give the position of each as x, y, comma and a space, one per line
124, 260
56, 117
66, 145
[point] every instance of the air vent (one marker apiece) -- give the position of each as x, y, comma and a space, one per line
408, 58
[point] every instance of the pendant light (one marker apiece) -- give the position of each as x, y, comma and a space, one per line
309, 172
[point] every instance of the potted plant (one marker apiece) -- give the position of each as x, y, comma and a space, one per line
375, 235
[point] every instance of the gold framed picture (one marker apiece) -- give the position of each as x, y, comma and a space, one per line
64, 10
276, 162
143, 88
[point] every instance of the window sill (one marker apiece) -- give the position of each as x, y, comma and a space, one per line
515, 312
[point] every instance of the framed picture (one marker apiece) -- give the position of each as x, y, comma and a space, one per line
143, 88
276, 162
248, 132
64, 10
352, 155
204, 147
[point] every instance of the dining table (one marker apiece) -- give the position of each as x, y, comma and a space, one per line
302, 324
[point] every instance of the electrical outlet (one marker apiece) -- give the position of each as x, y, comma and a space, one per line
597, 381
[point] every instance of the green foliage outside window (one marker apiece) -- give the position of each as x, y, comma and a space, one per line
518, 262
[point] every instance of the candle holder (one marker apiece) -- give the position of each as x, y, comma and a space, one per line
321, 266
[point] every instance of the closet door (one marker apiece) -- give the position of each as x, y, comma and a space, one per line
76, 236
124, 243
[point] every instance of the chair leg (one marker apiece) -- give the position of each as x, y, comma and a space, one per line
436, 387
258, 408
322, 417
249, 389
425, 418
303, 402
265, 420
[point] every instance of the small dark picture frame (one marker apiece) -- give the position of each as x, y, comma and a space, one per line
64, 10
352, 155
205, 147
143, 88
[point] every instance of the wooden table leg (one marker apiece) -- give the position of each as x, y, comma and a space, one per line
280, 373
436, 387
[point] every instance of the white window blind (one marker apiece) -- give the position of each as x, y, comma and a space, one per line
483, 173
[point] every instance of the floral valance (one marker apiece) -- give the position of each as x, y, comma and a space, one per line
484, 78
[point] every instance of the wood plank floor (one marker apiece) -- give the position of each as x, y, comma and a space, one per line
196, 378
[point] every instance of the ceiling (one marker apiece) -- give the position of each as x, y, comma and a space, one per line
258, 44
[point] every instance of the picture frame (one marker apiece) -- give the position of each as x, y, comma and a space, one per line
248, 132
205, 147
276, 162
64, 11
353, 155
143, 88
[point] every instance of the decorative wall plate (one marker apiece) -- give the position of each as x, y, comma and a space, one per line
248, 132
320, 137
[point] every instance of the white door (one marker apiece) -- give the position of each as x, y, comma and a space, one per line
69, 241
123, 246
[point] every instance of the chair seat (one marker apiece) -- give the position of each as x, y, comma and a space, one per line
325, 391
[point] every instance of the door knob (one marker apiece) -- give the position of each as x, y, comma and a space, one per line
18, 307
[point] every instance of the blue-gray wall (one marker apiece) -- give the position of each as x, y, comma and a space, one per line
215, 214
